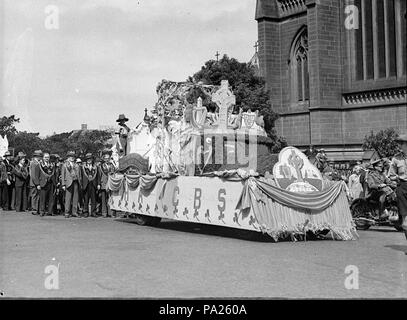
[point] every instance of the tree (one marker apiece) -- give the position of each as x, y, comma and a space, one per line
7, 125
383, 142
89, 141
82, 142
249, 89
26, 142
57, 143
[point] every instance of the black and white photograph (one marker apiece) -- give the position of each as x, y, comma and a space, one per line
186, 150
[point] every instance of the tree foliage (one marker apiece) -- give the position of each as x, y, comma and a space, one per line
7, 125
26, 142
383, 142
249, 89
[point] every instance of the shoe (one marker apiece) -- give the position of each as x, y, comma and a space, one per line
67, 216
34, 213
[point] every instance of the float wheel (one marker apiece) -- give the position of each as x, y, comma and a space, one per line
143, 220
359, 210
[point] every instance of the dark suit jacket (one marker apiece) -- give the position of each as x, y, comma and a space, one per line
21, 175
46, 177
88, 178
3, 173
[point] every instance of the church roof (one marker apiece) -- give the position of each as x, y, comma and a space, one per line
266, 9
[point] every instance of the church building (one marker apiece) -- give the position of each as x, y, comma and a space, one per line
336, 70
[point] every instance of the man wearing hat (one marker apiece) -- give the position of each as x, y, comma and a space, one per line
3, 183
90, 185
35, 181
378, 184
9, 185
398, 173
21, 181
123, 134
105, 168
59, 194
70, 179
46, 177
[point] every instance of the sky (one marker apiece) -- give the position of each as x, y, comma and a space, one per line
71, 62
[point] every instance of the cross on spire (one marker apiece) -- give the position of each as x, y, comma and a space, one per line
217, 56
256, 46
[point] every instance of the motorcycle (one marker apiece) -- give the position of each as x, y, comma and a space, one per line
365, 213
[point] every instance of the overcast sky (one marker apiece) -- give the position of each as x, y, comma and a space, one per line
108, 56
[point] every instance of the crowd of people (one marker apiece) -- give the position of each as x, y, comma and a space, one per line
46, 184
50, 185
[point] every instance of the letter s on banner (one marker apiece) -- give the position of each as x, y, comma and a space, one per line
222, 200
352, 18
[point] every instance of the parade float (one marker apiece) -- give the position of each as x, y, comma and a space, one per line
196, 160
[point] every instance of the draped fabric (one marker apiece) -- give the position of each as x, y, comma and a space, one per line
280, 212
124, 182
312, 201
231, 175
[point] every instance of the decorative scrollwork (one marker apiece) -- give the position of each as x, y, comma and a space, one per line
376, 96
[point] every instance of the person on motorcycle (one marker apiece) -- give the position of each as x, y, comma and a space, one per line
378, 185
398, 173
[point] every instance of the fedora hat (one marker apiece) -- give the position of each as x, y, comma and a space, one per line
37, 153
107, 151
122, 118
7, 154
88, 156
70, 154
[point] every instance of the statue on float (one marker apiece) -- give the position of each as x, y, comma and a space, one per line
170, 139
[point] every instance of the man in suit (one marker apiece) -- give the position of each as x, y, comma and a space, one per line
70, 179
105, 168
398, 173
35, 181
3, 183
46, 175
21, 180
90, 185
59, 203
9, 186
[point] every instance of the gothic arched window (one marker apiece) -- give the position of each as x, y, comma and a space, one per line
299, 68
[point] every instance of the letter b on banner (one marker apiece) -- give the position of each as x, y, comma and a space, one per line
197, 198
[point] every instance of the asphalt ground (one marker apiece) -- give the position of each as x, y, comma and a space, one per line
106, 257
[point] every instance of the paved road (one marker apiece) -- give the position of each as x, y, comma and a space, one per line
116, 258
